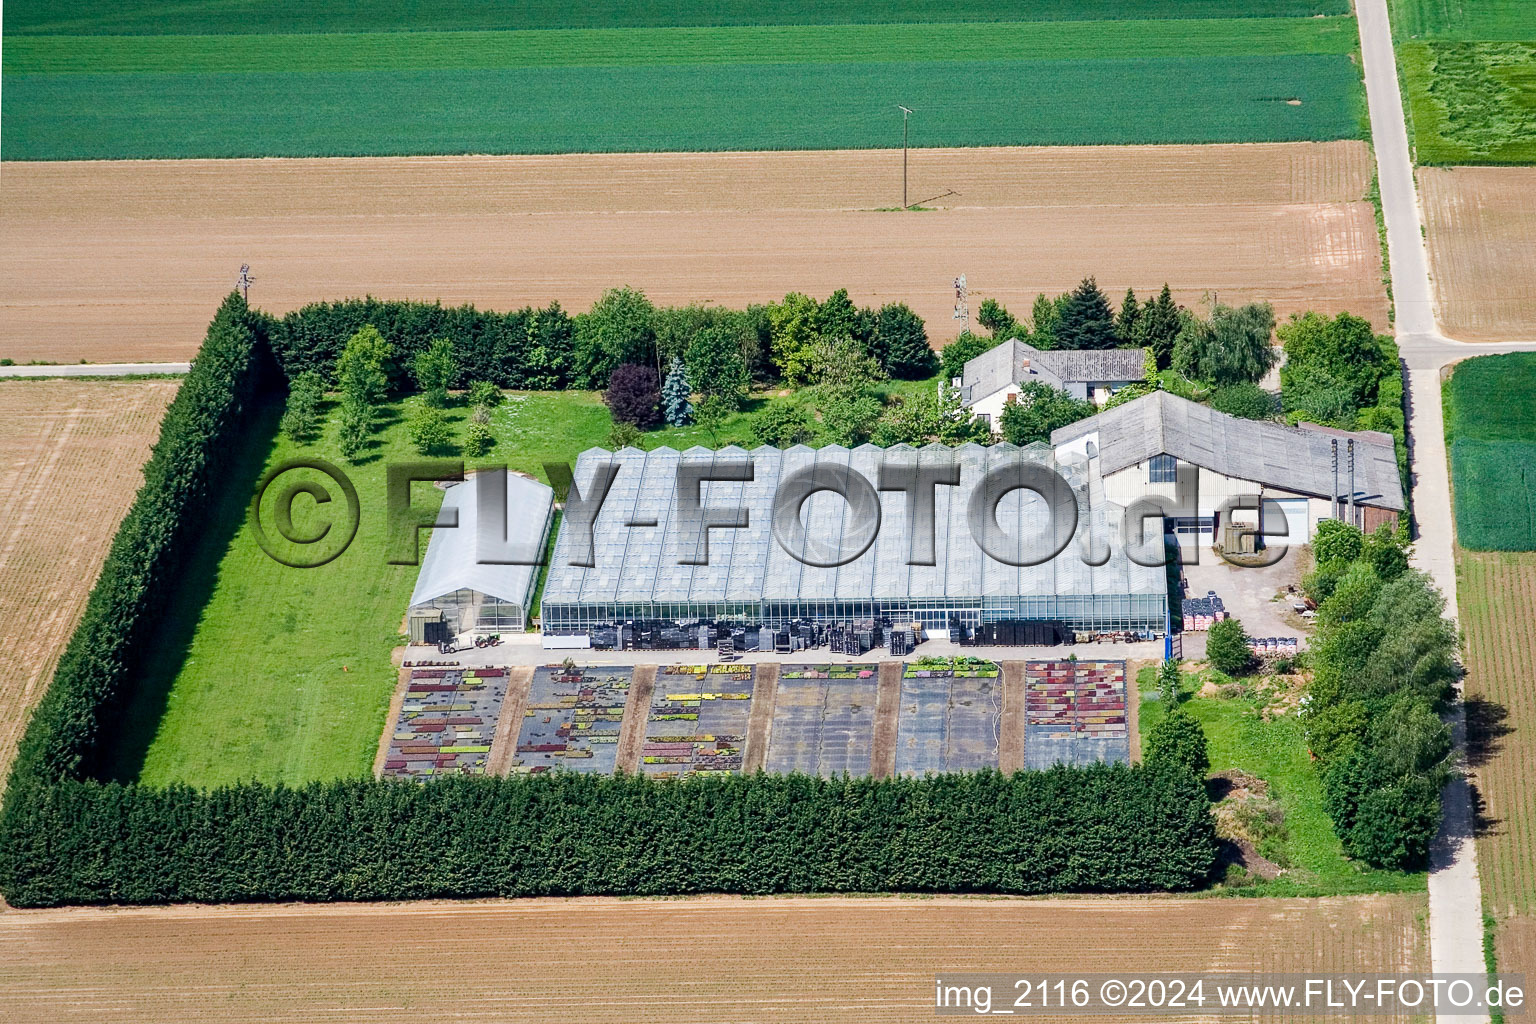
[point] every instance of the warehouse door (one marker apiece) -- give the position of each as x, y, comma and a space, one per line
1295, 512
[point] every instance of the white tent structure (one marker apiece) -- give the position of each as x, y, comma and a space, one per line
485, 596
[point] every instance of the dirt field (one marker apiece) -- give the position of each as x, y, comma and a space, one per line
1481, 224
780, 960
70, 453
114, 260
1497, 596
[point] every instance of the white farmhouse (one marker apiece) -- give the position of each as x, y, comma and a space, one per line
992, 380
1199, 458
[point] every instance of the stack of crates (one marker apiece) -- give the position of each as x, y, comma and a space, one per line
1200, 613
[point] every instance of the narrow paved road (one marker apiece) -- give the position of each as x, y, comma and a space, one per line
93, 369
1455, 896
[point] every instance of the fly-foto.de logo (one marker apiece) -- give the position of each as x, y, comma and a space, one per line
1017, 510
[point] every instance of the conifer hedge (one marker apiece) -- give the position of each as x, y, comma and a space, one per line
66, 837
1097, 829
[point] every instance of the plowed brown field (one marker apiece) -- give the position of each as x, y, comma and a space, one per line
70, 453
127, 260
711, 959
1481, 225
1497, 597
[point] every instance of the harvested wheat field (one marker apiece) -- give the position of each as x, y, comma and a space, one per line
127, 260
1481, 225
708, 959
70, 453
1497, 592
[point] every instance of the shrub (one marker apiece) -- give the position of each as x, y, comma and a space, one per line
363, 370
1244, 400
903, 342
354, 427
625, 435
1336, 541
1177, 741
634, 396
478, 440
483, 394
715, 368
620, 328
1226, 646
1231, 348
961, 351
301, 418
429, 431
1039, 410
783, 425
435, 370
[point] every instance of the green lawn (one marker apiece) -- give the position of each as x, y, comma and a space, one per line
670, 107
160, 17
1276, 751
434, 51
1492, 442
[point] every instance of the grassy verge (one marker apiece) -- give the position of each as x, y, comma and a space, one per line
1276, 751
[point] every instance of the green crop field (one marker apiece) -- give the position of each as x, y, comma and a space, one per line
1491, 427
1469, 75
229, 79
158, 17
640, 109
1463, 19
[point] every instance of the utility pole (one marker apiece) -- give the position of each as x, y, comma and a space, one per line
906, 112
244, 281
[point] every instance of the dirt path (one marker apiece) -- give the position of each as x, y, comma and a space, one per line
126, 261
637, 712
392, 716
1010, 744
882, 761
765, 687
509, 723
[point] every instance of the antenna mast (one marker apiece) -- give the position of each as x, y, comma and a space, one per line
962, 304
244, 281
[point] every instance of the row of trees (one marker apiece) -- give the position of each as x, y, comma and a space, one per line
1383, 662
1102, 828
1084, 319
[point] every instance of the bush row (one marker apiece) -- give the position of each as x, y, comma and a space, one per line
1096, 829
197, 439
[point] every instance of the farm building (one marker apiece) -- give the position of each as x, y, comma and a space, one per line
644, 546
457, 579
992, 380
1199, 458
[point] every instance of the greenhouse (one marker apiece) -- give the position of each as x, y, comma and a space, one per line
843, 559
472, 592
